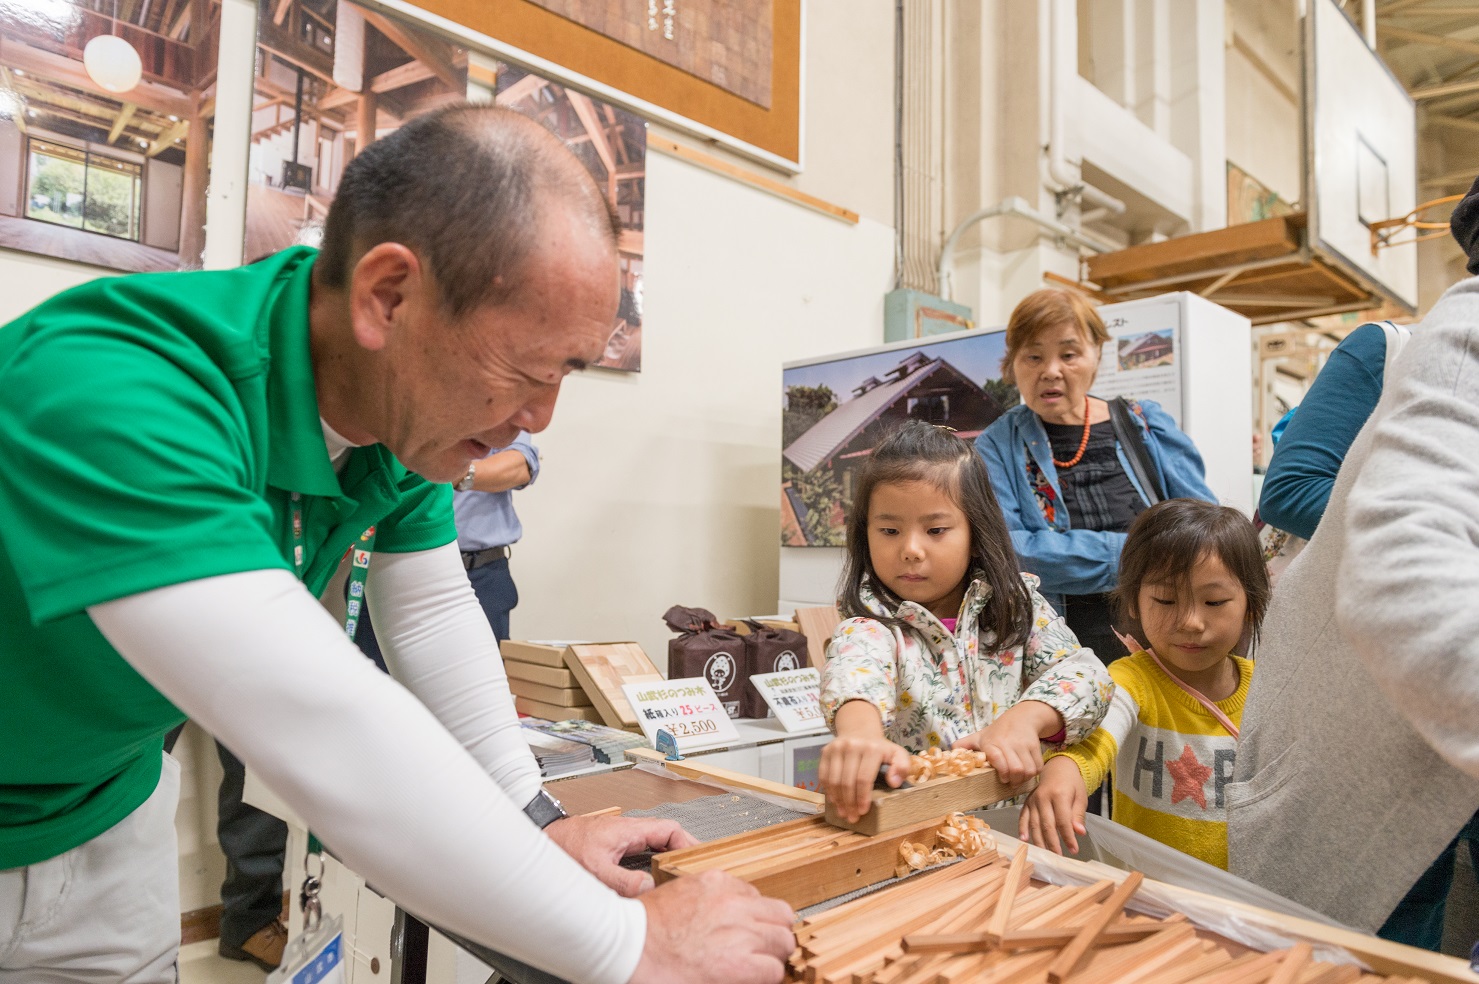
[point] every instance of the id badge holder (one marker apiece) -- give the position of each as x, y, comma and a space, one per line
316, 956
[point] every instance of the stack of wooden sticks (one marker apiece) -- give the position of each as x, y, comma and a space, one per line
983, 921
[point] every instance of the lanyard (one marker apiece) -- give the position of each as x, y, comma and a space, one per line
359, 566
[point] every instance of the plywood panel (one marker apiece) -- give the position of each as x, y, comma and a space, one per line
602, 668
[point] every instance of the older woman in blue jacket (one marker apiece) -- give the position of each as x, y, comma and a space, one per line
1066, 474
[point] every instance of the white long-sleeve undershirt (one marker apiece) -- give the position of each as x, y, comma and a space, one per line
403, 798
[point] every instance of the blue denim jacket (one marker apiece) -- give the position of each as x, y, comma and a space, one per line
1070, 561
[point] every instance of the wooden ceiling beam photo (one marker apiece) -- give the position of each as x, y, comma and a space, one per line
124, 115
149, 95
401, 76
168, 138
281, 13
523, 89
585, 111
7, 81
436, 54
1423, 37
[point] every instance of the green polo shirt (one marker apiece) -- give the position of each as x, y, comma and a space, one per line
152, 429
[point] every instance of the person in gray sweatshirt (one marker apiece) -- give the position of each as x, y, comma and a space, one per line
1358, 766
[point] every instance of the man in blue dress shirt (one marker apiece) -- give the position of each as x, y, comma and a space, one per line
487, 526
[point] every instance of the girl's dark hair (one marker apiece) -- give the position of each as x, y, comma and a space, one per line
921, 452
1167, 540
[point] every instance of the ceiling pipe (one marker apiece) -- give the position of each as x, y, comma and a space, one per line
1015, 205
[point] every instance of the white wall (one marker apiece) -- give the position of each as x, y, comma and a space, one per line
11, 168
162, 190
663, 488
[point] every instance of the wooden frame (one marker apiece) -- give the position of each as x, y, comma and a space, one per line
534, 38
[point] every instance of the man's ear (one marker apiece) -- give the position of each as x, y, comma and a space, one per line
383, 282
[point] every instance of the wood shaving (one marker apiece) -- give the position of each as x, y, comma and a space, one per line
937, 763
959, 836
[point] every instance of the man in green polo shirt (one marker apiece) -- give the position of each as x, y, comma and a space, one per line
184, 461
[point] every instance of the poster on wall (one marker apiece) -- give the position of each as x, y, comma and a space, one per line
105, 130
332, 77
1143, 359
612, 143
837, 410
729, 70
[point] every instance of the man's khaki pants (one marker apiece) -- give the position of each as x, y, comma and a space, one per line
106, 911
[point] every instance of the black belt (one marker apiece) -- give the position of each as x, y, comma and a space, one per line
473, 559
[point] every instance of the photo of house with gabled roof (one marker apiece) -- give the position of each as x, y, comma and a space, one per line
1146, 351
820, 465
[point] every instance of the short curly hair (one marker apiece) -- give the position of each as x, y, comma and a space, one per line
1046, 309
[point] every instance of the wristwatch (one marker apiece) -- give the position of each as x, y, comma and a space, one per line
544, 810
464, 484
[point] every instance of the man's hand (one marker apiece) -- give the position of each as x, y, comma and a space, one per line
599, 844
1013, 742
849, 768
713, 928
1053, 816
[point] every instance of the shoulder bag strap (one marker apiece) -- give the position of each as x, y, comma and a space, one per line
1132, 439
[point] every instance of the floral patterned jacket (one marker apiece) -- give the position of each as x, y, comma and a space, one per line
933, 688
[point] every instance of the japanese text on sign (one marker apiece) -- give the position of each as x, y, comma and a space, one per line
689, 710
794, 696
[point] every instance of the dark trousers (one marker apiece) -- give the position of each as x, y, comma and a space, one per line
255, 844
496, 592
1091, 617
1418, 918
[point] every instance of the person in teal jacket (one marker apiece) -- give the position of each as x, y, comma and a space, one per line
1061, 471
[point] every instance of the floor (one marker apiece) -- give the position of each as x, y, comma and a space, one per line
201, 964
34, 236
273, 220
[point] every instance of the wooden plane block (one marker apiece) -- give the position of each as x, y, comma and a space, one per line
554, 712
550, 676
602, 668
900, 807
532, 652
558, 696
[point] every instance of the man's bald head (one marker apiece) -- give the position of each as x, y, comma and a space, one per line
465, 188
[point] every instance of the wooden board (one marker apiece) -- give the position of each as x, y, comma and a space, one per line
900, 807
532, 652
601, 668
694, 767
801, 862
1247, 243
817, 625
554, 712
559, 696
550, 676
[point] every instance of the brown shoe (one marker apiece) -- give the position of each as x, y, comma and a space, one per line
263, 948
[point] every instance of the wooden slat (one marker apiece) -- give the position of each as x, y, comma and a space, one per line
695, 768
1110, 911
817, 625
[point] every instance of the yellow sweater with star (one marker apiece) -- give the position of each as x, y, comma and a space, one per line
1171, 759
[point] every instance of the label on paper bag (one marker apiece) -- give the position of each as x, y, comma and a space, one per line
794, 696
688, 708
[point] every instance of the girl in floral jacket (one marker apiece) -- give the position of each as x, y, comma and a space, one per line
947, 644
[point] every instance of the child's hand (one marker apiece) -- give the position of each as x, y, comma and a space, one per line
849, 768
1056, 807
1013, 742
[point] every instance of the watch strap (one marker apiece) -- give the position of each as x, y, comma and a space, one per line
544, 810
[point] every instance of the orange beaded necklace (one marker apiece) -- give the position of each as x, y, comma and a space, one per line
1083, 443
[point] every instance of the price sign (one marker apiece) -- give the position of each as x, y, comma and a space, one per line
688, 708
794, 695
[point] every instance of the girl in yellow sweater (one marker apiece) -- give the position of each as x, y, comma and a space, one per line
1192, 574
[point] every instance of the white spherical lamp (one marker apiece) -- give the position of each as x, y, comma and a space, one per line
112, 63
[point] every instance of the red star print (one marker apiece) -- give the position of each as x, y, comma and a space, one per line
1190, 775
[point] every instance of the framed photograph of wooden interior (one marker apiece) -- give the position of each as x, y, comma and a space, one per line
106, 112
725, 70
